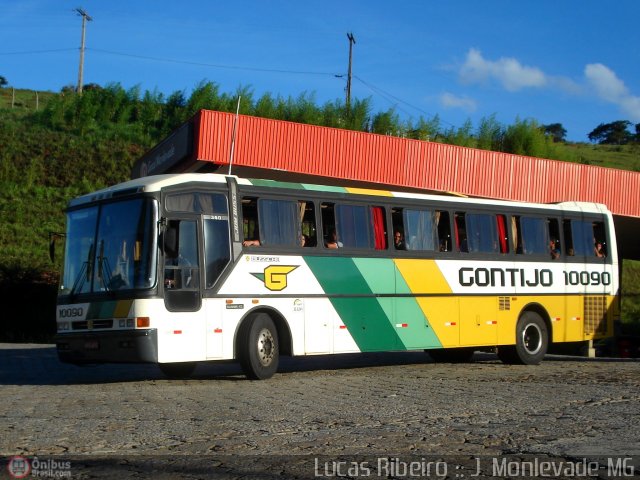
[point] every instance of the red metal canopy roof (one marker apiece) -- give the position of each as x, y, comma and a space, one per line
204, 143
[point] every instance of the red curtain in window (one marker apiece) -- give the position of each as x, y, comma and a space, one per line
378, 228
502, 233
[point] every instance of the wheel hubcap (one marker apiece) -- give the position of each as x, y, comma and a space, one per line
532, 339
266, 347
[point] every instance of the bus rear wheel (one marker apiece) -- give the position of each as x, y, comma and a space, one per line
258, 347
532, 341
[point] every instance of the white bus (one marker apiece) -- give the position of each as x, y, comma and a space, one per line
186, 268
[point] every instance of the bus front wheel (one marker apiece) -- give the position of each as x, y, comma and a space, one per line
258, 347
532, 341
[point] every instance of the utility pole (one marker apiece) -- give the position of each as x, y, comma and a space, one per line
352, 40
85, 17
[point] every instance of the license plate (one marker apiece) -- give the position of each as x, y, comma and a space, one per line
91, 345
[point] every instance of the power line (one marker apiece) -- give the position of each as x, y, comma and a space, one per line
211, 65
389, 96
32, 52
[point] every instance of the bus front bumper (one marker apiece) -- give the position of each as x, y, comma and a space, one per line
130, 346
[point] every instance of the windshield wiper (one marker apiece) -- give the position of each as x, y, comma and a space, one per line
84, 274
104, 269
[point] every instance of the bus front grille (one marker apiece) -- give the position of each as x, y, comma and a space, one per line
92, 324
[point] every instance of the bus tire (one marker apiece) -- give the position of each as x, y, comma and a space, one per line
532, 341
177, 370
258, 347
451, 355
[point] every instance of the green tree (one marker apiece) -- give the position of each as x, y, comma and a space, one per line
556, 131
525, 137
424, 129
490, 133
3, 81
614, 133
385, 123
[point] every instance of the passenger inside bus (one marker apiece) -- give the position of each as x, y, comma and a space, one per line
332, 240
554, 249
398, 240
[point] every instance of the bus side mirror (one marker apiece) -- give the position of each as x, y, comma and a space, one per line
53, 237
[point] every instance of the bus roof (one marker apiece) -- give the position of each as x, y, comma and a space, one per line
155, 183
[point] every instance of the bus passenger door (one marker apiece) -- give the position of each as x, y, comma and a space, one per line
217, 256
180, 337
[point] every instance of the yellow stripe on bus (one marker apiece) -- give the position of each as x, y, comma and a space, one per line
424, 276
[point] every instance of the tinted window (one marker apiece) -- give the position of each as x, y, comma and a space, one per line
197, 202
216, 249
278, 222
533, 236
482, 233
353, 226
420, 229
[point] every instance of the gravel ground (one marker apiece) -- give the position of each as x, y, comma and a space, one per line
392, 415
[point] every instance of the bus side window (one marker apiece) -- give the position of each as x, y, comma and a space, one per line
584, 238
398, 229
444, 231
599, 240
279, 222
554, 238
460, 227
354, 226
426, 230
533, 236
308, 230
483, 233
216, 249
251, 232
329, 233
181, 255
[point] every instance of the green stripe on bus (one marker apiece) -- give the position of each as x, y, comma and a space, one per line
275, 184
418, 333
324, 188
364, 317
404, 313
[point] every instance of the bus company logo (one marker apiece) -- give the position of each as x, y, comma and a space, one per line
274, 277
18, 467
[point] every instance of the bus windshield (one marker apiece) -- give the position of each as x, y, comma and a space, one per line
111, 247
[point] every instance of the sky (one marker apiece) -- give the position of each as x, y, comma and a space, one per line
574, 62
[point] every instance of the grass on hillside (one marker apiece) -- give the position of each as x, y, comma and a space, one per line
27, 100
624, 157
